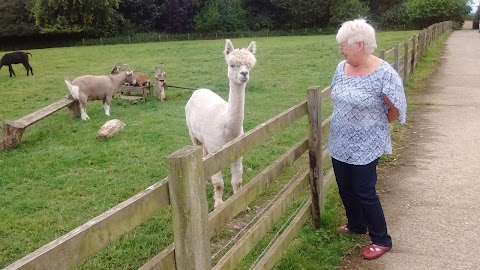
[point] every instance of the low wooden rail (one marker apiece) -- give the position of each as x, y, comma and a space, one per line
192, 234
134, 93
86, 240
13, 130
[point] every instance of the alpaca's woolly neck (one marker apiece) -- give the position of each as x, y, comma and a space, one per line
235, 111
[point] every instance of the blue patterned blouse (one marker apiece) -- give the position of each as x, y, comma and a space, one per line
359, 131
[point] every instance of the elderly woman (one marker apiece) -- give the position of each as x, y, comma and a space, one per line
367, 94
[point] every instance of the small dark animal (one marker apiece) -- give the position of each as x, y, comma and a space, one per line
16, 58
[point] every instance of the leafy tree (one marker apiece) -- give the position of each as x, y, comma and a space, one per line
423, 13
310, 13
97, 17
394, 18
221, 15
286, 14
385, 5
268, 14
374, 7
146, 15
178, 19
347, 10
378, 7
16, 18
209, 18
161, 15
260, 14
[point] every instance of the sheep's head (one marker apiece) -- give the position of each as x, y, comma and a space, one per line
240, 61
129, 79
115, 70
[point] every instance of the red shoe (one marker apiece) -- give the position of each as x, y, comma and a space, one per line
373, 251
343, 229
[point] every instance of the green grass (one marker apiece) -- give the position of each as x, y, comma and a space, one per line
60, 176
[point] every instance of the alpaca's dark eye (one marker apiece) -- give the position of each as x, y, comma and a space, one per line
232, 65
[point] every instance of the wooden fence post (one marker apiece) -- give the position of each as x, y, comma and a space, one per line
396, 64
12, 134
314, 104
190, 209
406, 57
74, 109
382, 54
414, 53
423, 43
419, 44
429, 35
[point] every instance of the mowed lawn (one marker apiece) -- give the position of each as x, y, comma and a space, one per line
60, 176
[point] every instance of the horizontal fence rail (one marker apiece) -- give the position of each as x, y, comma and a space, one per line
81, 243
13, 130
238, 147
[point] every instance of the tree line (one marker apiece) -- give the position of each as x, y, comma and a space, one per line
104, 18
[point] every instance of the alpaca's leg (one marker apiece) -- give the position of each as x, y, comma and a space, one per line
205, 153
195, 141
237, 170
218, 184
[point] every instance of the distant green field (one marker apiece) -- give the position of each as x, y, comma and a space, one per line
60, 176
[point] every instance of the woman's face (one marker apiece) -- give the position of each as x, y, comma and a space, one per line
350, 52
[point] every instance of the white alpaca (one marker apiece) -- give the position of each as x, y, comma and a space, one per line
212, 122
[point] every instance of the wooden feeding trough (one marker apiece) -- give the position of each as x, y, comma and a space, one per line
135, 93
143, 88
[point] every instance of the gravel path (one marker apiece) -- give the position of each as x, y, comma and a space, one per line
432, 198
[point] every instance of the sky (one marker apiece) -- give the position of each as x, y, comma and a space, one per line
474, 5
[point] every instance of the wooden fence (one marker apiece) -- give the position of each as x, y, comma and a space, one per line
13, 130
184, 191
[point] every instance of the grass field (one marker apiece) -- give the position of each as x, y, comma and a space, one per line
60, 176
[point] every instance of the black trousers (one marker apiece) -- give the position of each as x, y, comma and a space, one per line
356, 185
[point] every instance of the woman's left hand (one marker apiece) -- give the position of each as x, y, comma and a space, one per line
393, 112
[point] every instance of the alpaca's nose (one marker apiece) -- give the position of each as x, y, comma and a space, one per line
244, 73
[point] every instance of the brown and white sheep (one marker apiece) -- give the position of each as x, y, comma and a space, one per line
139, 78
103, 88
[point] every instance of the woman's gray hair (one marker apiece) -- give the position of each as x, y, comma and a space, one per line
358, 30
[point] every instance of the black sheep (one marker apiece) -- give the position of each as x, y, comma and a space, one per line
16, 58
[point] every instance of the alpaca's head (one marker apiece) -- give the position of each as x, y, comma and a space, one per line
240, 61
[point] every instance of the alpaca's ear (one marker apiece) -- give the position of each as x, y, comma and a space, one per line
228, 46
252, 47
